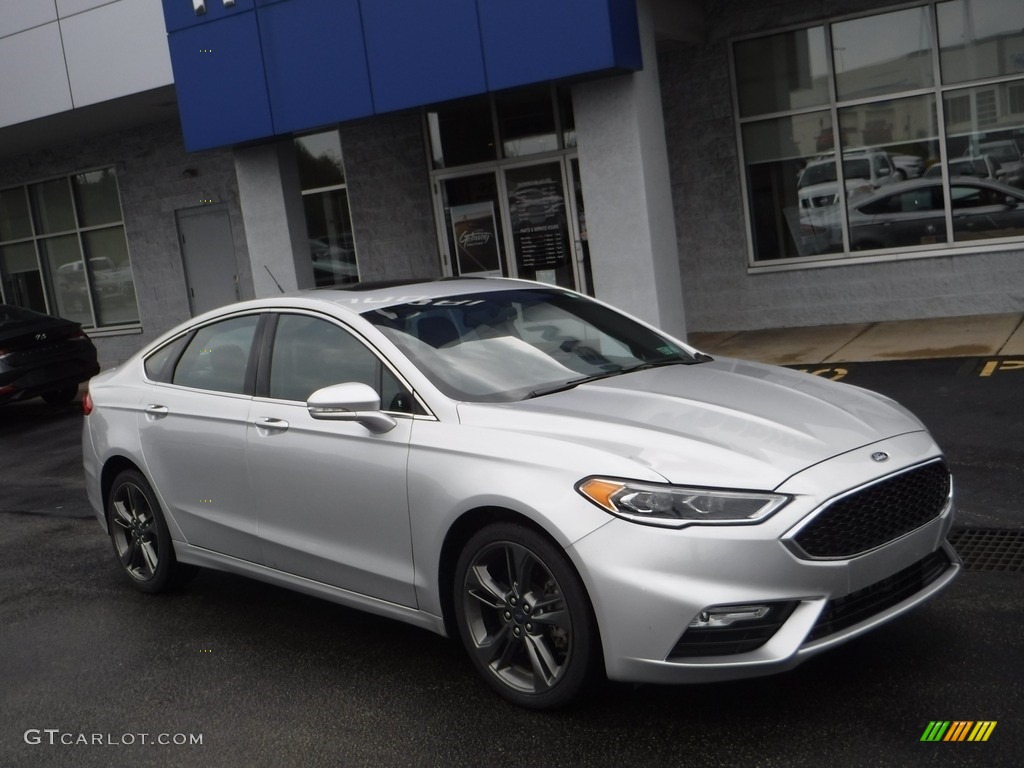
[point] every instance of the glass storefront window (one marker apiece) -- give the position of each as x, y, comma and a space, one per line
982, 121
888, 155
883, 54
526, 122
325, 200
110, 273
22, 281
791, 185
96, 197
82, 270
331, 245
52, 210
15, 223
980, 39
782, 72
462, 133
63, 258
319, 159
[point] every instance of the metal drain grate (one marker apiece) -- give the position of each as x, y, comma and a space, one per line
989, 549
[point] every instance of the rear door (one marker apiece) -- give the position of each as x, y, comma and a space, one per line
192, 430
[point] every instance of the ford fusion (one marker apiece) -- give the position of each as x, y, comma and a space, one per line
566, 489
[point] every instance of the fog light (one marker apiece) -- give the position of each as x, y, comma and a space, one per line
724, 615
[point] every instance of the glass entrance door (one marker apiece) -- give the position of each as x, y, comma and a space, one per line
539, 223
516, 221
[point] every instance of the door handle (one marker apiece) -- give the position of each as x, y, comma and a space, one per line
154, 412
271, 425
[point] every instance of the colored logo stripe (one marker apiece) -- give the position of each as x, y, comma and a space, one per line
958, 730
982, 730
935, 731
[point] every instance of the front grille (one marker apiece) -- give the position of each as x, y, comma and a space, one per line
728, 641
876, 514
858, 606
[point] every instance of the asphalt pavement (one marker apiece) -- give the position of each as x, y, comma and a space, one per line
231, 672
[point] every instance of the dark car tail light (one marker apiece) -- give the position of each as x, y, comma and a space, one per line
86, 403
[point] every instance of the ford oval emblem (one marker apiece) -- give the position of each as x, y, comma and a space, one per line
880, 456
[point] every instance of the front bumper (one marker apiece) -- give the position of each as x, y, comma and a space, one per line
649, 584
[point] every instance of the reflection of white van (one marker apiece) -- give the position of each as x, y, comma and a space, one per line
863, 170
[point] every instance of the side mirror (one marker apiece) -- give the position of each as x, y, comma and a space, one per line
351, 401
1010, 201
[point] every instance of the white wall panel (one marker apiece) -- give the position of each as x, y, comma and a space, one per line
19, 15
115, 50
33, 80
71, 7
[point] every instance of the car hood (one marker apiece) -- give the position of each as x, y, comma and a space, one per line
725, 423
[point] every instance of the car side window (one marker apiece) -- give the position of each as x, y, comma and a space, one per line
310, 353
217, 358
159, 365
972, 197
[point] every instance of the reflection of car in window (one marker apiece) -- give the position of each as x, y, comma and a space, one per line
913, 213
980, 167
863, 172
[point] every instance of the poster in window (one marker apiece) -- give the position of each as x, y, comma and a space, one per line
476, 239
539, 228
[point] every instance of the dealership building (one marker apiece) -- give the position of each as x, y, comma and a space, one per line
707, 165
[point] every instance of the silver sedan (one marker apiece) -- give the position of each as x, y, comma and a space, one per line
566, 489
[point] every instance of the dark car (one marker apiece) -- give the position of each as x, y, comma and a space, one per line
42, 355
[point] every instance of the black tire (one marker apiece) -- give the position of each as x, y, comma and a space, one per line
524, 617
142, 543
61, 396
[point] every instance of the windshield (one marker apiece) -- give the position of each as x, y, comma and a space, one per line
507, 345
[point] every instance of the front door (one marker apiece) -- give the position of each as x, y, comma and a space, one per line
330, 495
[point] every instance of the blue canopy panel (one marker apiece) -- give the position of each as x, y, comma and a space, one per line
261, 68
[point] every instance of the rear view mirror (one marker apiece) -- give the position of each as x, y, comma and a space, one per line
351, 401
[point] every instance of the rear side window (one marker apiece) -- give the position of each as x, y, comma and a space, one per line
217, 357
160, 365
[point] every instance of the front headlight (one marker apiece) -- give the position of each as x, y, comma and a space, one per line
675, 506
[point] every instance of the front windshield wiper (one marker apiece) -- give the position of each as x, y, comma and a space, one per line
699, 357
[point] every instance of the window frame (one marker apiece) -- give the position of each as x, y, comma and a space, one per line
939, 91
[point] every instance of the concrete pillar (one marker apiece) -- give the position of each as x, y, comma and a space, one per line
275, 223
626, 189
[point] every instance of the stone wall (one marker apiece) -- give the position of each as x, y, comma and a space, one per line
389, 197
719, 291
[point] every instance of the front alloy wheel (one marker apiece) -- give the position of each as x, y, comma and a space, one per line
524, 617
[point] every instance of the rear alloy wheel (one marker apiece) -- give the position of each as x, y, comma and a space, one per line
524, 617
140, 537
